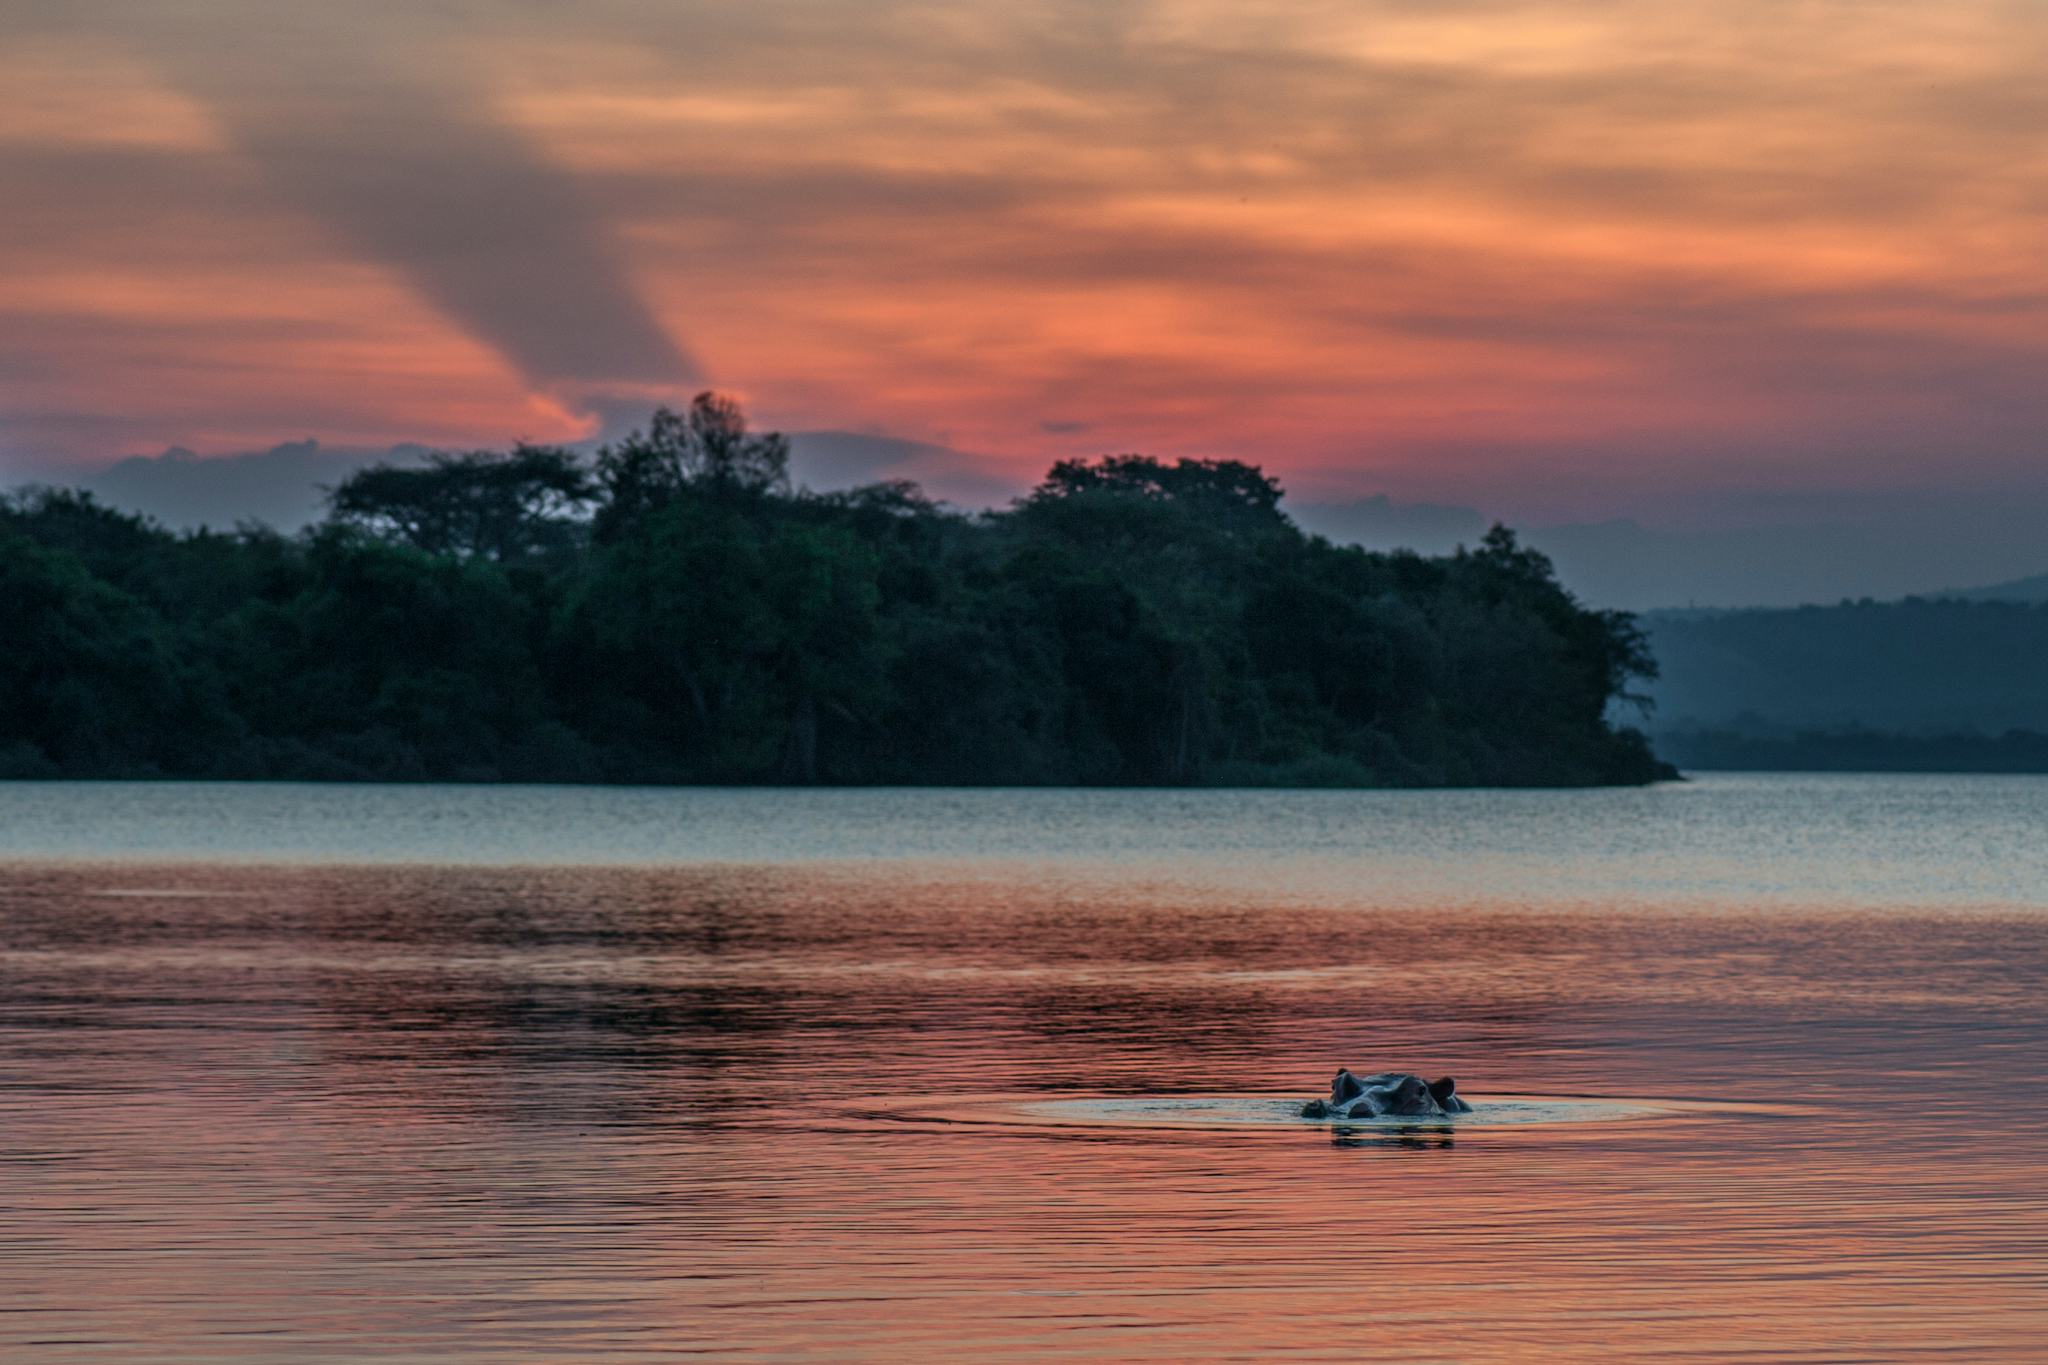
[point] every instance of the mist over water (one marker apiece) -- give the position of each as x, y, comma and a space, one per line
541, 1074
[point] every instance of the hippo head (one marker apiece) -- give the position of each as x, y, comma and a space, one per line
1388, 1093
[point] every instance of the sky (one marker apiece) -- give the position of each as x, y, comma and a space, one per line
1701, 269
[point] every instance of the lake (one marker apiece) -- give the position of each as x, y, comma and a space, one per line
447, 1074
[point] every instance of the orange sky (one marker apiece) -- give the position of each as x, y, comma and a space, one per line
1565, 257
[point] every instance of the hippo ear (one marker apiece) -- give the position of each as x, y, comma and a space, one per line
1345, 1086
1441, 1091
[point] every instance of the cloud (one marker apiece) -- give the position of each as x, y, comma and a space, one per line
1565, 263
414, 169
381, 136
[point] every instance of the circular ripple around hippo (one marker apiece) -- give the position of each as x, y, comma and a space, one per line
1272, 1112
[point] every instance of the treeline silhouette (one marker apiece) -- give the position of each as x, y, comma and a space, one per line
675, 612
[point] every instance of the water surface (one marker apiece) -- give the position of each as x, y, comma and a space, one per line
445, 1074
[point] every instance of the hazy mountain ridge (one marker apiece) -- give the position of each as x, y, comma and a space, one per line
1920, 666
285, 486
2033, 588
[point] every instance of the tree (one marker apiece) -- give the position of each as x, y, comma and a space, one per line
88, 684
708, 449
475, 505
735, 647
1228, 494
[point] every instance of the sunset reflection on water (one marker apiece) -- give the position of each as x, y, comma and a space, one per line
469, 1113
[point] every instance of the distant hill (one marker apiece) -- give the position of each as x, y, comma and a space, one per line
283, 487
1920, 666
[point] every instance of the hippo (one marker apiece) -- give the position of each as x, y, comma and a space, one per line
1399, 1094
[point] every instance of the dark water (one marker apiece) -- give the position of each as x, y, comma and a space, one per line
442, 1075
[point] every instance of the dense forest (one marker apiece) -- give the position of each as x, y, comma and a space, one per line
674, 611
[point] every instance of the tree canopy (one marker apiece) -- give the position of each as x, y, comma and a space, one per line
707, 451
502, 507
